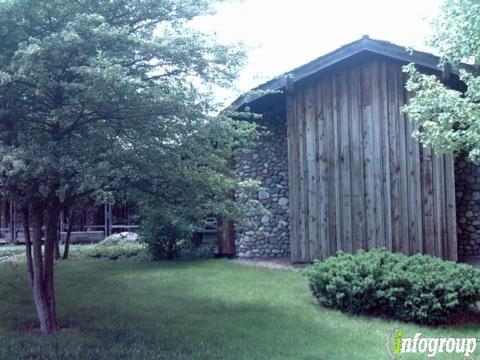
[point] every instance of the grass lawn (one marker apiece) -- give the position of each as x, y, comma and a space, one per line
209, 309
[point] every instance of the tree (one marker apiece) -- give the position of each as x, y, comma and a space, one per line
448, 120
89, 92
200, 183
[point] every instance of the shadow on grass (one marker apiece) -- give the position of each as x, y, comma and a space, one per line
185, 310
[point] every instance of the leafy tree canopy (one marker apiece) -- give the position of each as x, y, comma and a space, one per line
449, 121
99, 97
80, 78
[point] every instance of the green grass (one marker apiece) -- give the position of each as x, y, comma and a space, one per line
209, 309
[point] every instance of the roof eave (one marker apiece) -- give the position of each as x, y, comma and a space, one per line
365, 44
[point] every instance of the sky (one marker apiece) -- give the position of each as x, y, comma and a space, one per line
284, 34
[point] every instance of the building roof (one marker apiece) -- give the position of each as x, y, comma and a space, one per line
361, 46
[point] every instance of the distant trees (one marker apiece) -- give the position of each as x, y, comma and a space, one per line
449, 121
97, 97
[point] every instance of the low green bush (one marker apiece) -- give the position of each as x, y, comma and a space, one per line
167, 235
119, 239
418, 288
114, 252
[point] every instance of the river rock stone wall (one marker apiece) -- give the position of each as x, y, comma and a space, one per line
467, 187
269, 235
266, 235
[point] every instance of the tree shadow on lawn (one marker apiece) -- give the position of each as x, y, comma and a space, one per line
170, 306
240, 315
204, 309
217, 325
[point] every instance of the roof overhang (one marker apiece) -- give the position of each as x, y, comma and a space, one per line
364, 45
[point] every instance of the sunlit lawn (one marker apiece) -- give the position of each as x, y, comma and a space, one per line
187, 310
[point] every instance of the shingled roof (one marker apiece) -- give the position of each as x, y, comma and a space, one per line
361, 46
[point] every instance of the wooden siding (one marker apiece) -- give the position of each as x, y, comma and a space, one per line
226, 237
357, 178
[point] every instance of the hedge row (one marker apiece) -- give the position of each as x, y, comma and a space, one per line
418, 288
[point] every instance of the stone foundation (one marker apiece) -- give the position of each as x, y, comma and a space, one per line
269, 235
266, 235
467, 187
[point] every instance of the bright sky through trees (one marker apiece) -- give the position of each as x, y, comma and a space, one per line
284, 34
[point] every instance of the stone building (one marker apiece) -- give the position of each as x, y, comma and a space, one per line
339, 168
467, 187
267, 235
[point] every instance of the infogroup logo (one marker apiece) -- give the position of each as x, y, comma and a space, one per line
398, 344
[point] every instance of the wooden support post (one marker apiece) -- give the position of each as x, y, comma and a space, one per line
105, 220
226, 237
289, 86
108, 219
62, 221
13, 223
226, 232
61, 226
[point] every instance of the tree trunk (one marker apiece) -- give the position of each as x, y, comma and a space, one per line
69, 233
56, 248
48, 264
56, 242
28, 243
42, 305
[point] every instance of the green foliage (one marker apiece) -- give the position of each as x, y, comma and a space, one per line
419, 288
194, 182
11, 253
457, 35
115, 252
119, 239
211, 309
166, 234
116, 246
104, 97
449, 121
112, 99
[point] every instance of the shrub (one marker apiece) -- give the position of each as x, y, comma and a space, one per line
418, 288
114, 252
167, 235
120, 238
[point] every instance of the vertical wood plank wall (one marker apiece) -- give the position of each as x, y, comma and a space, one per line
357, 178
